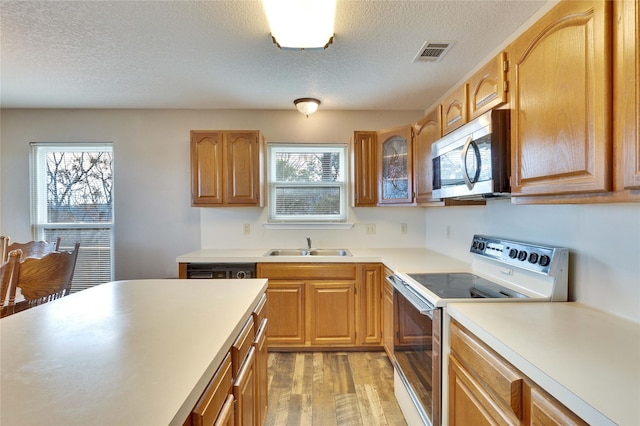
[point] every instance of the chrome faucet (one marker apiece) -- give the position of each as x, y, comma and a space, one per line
309, 243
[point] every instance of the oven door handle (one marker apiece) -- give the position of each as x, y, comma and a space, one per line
417, 300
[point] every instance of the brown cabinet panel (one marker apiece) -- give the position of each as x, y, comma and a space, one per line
241, 346
206, 168
242, 159
226, 417
308, 271
627, 95
332, 318
487, 87
244, 392
427, 131
387, 315
365, 165
370, 301
560, 78
213, 399
454, 110
286, 301
262, 377
547, 411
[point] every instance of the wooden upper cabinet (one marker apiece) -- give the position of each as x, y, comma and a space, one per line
225, 168
627, 95
488, 87
560, 92
426, 131
365, 166
395, 165
454, 110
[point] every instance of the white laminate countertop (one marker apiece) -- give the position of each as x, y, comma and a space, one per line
586, 358
399, 260
122, 353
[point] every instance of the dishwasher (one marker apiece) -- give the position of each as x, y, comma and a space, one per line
221, 270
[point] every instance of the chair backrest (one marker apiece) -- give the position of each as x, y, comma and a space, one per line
32, 248
44, 279
7, 276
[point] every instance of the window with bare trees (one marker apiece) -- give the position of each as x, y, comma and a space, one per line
72, 198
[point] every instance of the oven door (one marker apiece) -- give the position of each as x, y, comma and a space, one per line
417, 350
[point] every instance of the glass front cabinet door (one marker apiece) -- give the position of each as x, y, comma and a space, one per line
396, 183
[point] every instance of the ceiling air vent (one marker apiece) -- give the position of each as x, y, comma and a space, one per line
433, 51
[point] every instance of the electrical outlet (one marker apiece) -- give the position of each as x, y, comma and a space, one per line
403, 228
247, 228
371, 228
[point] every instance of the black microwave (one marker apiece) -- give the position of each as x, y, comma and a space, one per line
474, 160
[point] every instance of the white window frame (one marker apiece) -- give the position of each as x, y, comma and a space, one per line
38, 175
272, 184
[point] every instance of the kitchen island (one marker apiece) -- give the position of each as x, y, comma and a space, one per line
127, 352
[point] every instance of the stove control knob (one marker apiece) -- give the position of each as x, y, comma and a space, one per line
533, 258
522, 255
513, 253
544, 260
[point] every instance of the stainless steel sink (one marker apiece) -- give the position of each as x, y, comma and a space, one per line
304, 252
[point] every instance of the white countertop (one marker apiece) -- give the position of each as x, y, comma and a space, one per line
587, 359
399, 260
122, 353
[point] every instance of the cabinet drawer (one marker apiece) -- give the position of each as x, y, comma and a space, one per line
214, 396
226, 415
505, 383
260, 313
303, 271
241, 346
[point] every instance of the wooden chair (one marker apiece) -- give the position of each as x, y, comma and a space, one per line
29, 249
7, 277
42, 280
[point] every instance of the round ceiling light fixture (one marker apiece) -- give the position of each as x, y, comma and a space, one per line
307, 105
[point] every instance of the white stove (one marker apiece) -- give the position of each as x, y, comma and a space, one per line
501, 270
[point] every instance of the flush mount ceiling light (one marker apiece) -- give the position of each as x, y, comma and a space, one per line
307, 105
301, 24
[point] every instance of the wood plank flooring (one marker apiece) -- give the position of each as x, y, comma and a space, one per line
331, 388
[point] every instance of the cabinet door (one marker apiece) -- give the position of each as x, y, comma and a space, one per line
470, 403
387, 315
560, 77
244, 392
286, 304
332, 314
226, 417
370, 299
212, 401
546, 411
627, 94
396, 163
242, 165
427, 131
487, 87
206, 168
365, 165
262, 378
454, 110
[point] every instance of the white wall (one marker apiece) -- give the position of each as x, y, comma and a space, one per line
154, 219
604, 243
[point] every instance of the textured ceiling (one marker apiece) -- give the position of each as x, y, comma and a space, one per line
219, 54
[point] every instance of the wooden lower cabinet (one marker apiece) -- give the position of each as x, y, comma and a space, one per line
262, 376
387, 315
244, 391
226, 417
323, 305
484, 389
214, 398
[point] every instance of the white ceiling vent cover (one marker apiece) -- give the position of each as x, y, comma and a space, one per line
433, 51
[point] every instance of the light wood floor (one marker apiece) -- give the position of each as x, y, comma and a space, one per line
331, 388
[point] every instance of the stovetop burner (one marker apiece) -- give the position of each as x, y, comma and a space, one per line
463, 285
